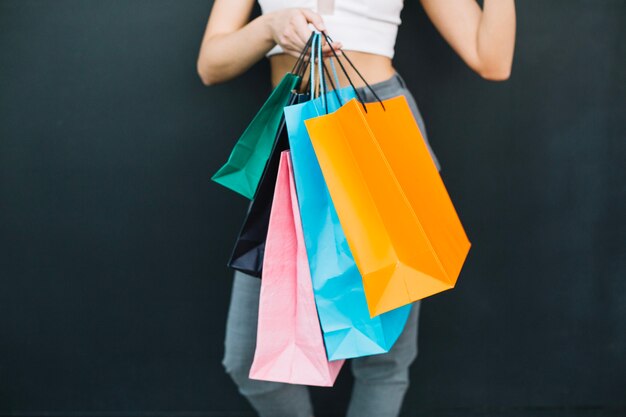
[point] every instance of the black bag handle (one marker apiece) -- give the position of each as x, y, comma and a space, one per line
299, 67
316, 72
308, 65
329, 41
332, 84
320, 72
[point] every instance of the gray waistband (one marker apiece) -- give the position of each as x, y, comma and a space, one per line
384, 89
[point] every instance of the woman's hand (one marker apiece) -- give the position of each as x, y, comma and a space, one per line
232, 44
291, 30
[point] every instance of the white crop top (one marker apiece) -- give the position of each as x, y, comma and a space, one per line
360, 25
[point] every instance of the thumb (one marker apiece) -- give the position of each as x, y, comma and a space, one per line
314, 18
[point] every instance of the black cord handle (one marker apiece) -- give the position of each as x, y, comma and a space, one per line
309, 65
299, 67
331, 84
320, 72
329, 41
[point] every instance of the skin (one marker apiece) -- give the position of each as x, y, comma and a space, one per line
483, 38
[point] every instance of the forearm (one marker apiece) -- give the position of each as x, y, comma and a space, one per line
483, 38
496, 39
225, 56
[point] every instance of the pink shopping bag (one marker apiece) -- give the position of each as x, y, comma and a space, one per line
290, 346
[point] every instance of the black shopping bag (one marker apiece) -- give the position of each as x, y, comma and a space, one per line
247, 255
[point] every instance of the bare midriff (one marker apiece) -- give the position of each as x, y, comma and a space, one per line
374, 68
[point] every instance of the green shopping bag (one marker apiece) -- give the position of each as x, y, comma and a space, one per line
244, 168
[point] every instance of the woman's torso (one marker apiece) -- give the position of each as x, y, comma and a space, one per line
366, 28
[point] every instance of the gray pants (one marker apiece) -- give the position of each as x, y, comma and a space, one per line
380, 381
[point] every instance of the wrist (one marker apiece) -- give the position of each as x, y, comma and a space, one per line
266, 22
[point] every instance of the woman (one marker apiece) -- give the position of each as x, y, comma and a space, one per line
484, 39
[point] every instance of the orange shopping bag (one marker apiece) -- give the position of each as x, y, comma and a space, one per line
401, 226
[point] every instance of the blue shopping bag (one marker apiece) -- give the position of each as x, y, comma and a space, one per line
349, 331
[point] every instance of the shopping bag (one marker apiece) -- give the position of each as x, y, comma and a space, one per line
248, 159
349, 331
247, 254
290, 347
244, 168
401, 226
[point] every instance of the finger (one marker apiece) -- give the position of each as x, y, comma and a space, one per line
290, 49
314, 18
328, 51
330, 54
335, 44
291, 39
301, 29
293, 53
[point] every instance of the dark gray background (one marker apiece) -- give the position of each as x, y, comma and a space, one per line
113, 240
